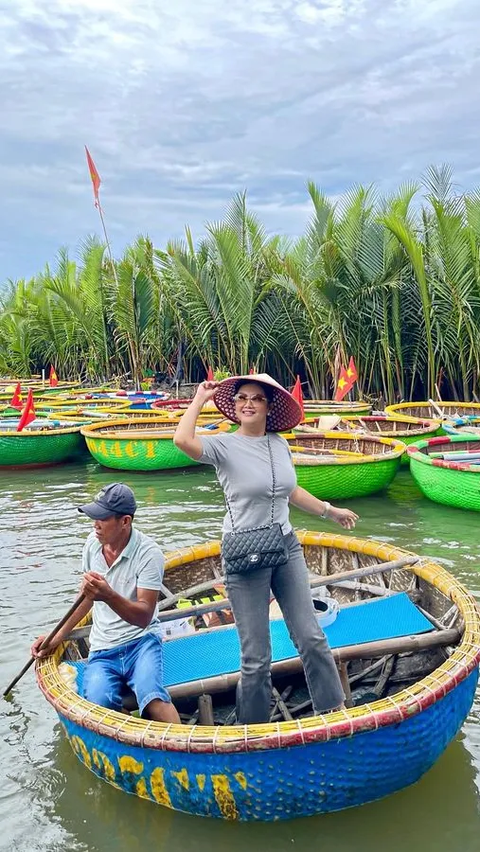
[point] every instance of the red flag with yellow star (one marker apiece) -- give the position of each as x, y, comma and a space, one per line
16, 400
94, 176
53, 378
28, 414
352, 370
345, 383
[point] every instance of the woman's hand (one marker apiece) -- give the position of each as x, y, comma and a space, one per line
205, 391
345, 517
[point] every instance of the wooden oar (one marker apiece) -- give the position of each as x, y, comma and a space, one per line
45, 642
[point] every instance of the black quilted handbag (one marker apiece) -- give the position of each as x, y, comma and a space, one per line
258, 547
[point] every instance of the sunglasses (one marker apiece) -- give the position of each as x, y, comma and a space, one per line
256, 398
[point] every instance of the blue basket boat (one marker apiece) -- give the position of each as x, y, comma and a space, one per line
408, 647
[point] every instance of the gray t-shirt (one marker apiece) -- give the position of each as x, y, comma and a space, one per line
140, 565
245, 474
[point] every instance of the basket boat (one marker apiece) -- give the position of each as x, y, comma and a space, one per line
166, 404
462, 426
407, 430
441, 411
448, 481
140, 443
316, 407
339, 465
38, 389
79, 405
38, 445
408, 651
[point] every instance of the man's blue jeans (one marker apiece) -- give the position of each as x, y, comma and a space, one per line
137, 664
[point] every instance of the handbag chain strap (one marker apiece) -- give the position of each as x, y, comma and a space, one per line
274, 485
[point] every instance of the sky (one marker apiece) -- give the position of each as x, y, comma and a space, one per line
183, 104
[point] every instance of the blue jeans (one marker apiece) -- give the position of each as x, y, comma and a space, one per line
137, 664
249, 595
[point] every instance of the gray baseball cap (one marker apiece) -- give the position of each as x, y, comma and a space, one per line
115, 499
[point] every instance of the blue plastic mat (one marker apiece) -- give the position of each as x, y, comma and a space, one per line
203, 655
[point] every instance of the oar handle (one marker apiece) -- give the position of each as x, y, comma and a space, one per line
45, 643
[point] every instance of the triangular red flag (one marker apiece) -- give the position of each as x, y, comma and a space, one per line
28, 412
16, 400
94, 176
298, 395
53, 377
345, 383
352, 371
210, 376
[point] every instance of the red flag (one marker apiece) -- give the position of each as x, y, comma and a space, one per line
16, 400
298, 395
94, 176
345, 383
53, 377
352, 370
28, 412
210, 376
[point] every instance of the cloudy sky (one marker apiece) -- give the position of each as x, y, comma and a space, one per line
184, 103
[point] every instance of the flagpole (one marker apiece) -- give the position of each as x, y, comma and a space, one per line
96, 181
107, 241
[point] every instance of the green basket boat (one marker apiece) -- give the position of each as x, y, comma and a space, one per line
140, 443
39, 447
446, 481
338, 465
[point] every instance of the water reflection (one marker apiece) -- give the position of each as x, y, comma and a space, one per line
49, 802
97, 817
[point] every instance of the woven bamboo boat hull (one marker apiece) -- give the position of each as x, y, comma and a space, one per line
149, 451
449, 483
287, 769
407, 430
317, 407
438, 412
349, 477
26, 449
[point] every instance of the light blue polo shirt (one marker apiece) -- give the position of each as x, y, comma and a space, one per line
140, 565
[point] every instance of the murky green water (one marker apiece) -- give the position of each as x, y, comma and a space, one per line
48, 801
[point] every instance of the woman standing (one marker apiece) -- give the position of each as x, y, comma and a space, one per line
255, 469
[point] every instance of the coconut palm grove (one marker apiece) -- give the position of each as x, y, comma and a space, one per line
393, 282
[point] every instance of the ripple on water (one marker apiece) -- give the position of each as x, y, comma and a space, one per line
50, 802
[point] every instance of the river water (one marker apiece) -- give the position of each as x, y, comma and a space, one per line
50, 802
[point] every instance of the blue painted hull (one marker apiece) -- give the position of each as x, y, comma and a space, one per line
282, 783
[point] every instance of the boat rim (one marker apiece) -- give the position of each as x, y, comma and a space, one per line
398, 447
61, 430
415, 452
338, 724
90, 430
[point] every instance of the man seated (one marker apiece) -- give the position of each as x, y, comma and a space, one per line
123, 572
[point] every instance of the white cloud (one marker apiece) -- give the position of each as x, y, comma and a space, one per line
184, 103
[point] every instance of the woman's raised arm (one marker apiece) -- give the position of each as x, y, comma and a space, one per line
185, 438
